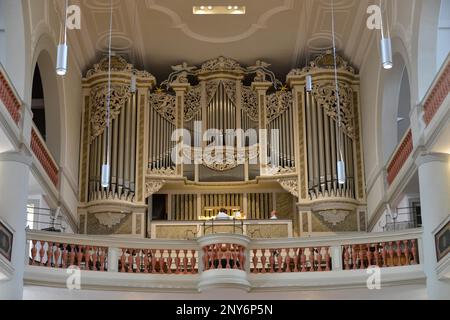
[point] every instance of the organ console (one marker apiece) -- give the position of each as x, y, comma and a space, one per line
221, 135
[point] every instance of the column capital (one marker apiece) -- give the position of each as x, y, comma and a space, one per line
15, 156
261, 86
427, 157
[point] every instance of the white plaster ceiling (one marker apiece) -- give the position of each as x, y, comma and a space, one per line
155, 34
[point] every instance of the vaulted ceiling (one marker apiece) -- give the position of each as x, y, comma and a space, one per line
155, 34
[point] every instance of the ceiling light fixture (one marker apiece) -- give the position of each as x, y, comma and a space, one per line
218, 10
386, 45
106, 166
62, 51
340, 164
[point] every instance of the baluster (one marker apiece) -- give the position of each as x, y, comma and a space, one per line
49, 254
178, 260
161, 261
347, 257
205, 259
235, 256
130, 261
279, 260
227, 256
41, 253
86, 257
33, 252
94, 258
272, 260
383, 254
146, 262
399, 253
255, 261
122, 261
138, 260
153, 260
311, 259
354, 256
361, 256
414, 251
295, 260
212, 250
185, 262
369, 255
242, 257
193, 262
79, 256
303, 260
391, 254
102, 258
263, 261
72, 255
169, 261
64, 256
288, 260
406, 252
375, 255
219, 255
327, 259
56, 255
319, 259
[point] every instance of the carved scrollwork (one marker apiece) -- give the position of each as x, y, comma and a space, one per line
324, 61
325, 95
276, 171
118, 64
221, 64
192, 103
334, 216
98, 100
153, 186
163, 172
226, 161
109, 219
250, 103
213, 85
290, 185
278, 103
164, 104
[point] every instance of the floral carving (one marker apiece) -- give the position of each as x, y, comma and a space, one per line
277, 104
109, 219
250, 103
192, 103
119, 96
325, 95
165, 172
164, 104
334, 216
221, 64
324, 61
118, 64
290, 185
153, 186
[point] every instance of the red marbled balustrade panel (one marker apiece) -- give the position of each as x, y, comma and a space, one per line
401, 155
437, 95
382, 254
309, 259
158, 261
63, 255
41, 153
223, 256
9, 99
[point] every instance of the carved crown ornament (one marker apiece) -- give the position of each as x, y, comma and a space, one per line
98, 100
324, 61
118, 64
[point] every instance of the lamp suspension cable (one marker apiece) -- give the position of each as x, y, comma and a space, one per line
106, 166
62, 50
340, 163
308, 77
386, 45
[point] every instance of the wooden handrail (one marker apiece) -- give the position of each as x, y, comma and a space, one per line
44, 156
400, 155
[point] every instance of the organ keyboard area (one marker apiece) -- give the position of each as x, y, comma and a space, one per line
221, 137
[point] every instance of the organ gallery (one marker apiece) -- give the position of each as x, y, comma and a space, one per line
222, 138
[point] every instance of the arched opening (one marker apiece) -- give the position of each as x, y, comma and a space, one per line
443, 41
38, 102
395, 107
404, 107
49, 108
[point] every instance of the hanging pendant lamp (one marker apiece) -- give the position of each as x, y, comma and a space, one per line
106, 169
62, 50
386, 45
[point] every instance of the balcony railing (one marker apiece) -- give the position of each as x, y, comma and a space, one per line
220, 259
437, 93
400, 155
43, 155
9, 97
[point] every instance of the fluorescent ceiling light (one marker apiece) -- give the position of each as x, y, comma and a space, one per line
218, 9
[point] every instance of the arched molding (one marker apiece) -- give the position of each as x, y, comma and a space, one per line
44, 54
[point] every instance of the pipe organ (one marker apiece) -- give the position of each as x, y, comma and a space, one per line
221, 136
